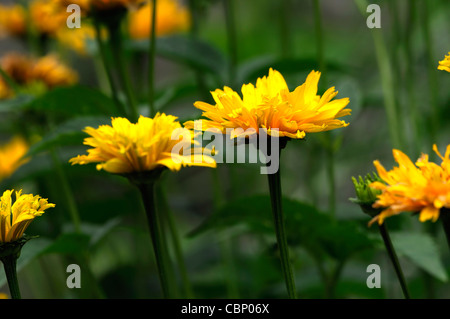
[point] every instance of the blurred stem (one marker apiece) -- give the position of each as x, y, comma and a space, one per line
445, 217
147, 191
10, 265
328, 137
67, 192
432, 79
115, 38
230, 268
394, 259
11, 83
333, 279
232, 40
167, 212
285, 34
385, 69
151, 62
108, 70
278, 217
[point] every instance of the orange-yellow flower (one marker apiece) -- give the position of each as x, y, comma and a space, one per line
149, 144
11, 156
52, 72
445, 64
5, 91
15, 218
171, 17
272, 107
12, 20
18, 67
47, 16
423, 187
76, 38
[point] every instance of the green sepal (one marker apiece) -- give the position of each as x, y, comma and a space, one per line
13, 248
144, 177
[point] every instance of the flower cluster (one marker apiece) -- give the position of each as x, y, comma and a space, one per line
421, 187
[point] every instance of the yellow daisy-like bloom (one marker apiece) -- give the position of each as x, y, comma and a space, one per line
15, 218
47, 16
171, 17
149, 144
12, 20
52, 72
11, 156
423, 187
18, 67
77, 38
271, 106
445, 64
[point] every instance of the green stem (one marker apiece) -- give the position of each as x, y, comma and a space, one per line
319, 41
230, 268
147, 191
394, 259
232, 40
10, 265
285, 34
108, 70
445, 217
387, 81
278, 217
167, 212
151, 62
117, 48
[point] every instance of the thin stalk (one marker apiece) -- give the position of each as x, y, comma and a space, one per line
108, 70
387, 82
334, 278
445, 217
10, 265
232, 40
167, 212
285, 34
278, 217
394, 259
151, 62
147, 191
67, 192
116, 44
319, 41
230, 269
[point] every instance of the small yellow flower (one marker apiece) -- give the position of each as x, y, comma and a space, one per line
126, 147
47, 16
423, 187
77, 38
171, 17
15, 218
52, 72
445, 64
272, 107
18, 67
11, 156
12, 20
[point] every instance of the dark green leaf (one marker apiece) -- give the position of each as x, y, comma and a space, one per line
69, 243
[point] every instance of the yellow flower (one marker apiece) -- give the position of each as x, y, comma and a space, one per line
423, 187
171, 17
12, 20
15, 218
5, 91
445, 64
18, 67
126, 147
47, 16
52, 72
11, 156
269, 105
77, 38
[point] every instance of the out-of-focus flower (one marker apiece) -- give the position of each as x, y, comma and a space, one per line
15, 218
77, 38
18, 66
12, 20
5, 91
445, 64
102, 5
47, 16
52, 72
271, 107
421, 188
11, 156
126, 147
171, 17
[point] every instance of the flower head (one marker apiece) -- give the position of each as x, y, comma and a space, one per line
52, 72
11, 156
18, 67
171, 17
423, 187
15, 218
76, 39
272, 107
47, 16
149, 144
12, 20
445, 64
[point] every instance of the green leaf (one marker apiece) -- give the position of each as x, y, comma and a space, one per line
69, 244
74, 100
15, 103
194, 53
30, 250
68, 133
421, 250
